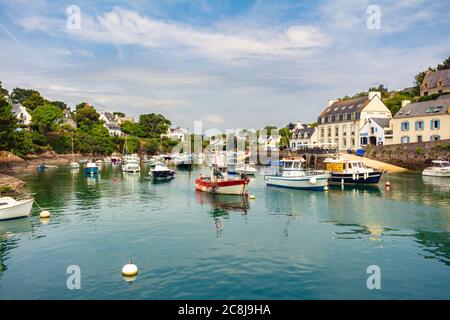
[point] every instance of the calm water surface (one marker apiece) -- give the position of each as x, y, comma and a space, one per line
285, 244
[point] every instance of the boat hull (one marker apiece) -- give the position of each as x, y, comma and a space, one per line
349, 178
305, 183
235, 187
436, 173
91, 170
21, 210
184, 166
163, 175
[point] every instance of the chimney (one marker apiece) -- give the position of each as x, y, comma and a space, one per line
372, 94
331, 101
405, 102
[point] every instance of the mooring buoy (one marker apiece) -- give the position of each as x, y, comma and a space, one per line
44, 214
130, 270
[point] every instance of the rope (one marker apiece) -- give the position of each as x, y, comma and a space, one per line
38, 205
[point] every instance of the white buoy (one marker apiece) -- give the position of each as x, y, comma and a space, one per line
325, 188
130, 270
44, 214
252, 196
313, 180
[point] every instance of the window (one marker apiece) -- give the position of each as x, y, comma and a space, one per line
341, 117
344, 142
296, 165
329, 131
419, 139
344, 130
435, 138
419, 125
322, 132
349, 116
336, 131
404, 126
293, 145
435, 124
425, 93
404, 139
372, 130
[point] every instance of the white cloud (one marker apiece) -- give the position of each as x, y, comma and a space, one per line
124, 27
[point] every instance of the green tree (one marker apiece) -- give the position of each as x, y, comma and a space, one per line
152, 146
3, 91
34, 101
8, 125
285, 138
86, 116
119, 114
153, 125
445, 64
59, 104
19, 95
45, 117
131, 128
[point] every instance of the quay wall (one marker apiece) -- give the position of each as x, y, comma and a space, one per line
413, 156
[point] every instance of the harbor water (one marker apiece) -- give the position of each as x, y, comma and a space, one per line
284, 244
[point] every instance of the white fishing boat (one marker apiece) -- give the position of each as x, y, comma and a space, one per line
161, 172
247, 169
440, 168
13, 209
73, 164
291, 174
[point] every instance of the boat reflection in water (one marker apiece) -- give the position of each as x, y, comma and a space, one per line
221, 206
8, 240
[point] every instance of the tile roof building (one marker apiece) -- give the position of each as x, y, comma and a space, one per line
435, 82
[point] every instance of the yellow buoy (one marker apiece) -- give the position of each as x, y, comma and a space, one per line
44, 214
252, 196
130, 270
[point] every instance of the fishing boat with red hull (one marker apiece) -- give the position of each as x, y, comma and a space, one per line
220, 183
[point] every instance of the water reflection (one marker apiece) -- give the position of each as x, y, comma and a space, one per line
8, 238
223, 204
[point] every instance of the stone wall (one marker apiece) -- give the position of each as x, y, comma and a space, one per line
414, 156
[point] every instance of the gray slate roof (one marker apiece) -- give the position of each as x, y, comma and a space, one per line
433, 77
111, 126
425, 108
301, 132
109, 116
382, 122
16, 109
346, 106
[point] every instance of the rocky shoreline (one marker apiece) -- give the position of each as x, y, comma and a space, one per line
11, 166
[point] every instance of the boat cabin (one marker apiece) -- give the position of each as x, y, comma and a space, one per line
440, 164
346, 166
290, 167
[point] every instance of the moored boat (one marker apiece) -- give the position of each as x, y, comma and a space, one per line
351, 172
291, 174
161, 172
13, 209
247, 169
131, 166
220, 183
91, 168
440, 168
184, 161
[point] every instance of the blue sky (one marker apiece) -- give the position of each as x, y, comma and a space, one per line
231, 64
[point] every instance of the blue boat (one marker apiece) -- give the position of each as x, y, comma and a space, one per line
91, 168
351, 172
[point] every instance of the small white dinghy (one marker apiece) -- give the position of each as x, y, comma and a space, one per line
13, 209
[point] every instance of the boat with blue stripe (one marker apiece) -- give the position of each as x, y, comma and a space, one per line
291, 174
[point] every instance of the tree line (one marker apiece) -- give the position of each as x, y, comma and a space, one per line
48, 131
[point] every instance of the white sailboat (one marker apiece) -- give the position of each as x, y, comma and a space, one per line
13, 209
73, 164
131, 162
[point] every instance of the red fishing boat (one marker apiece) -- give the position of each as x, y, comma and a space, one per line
220, 183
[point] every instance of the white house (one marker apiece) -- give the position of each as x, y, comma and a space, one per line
271, 142
303, 136
113, 129
108, 118
341, 121
22, 114
177, 134
375, 132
